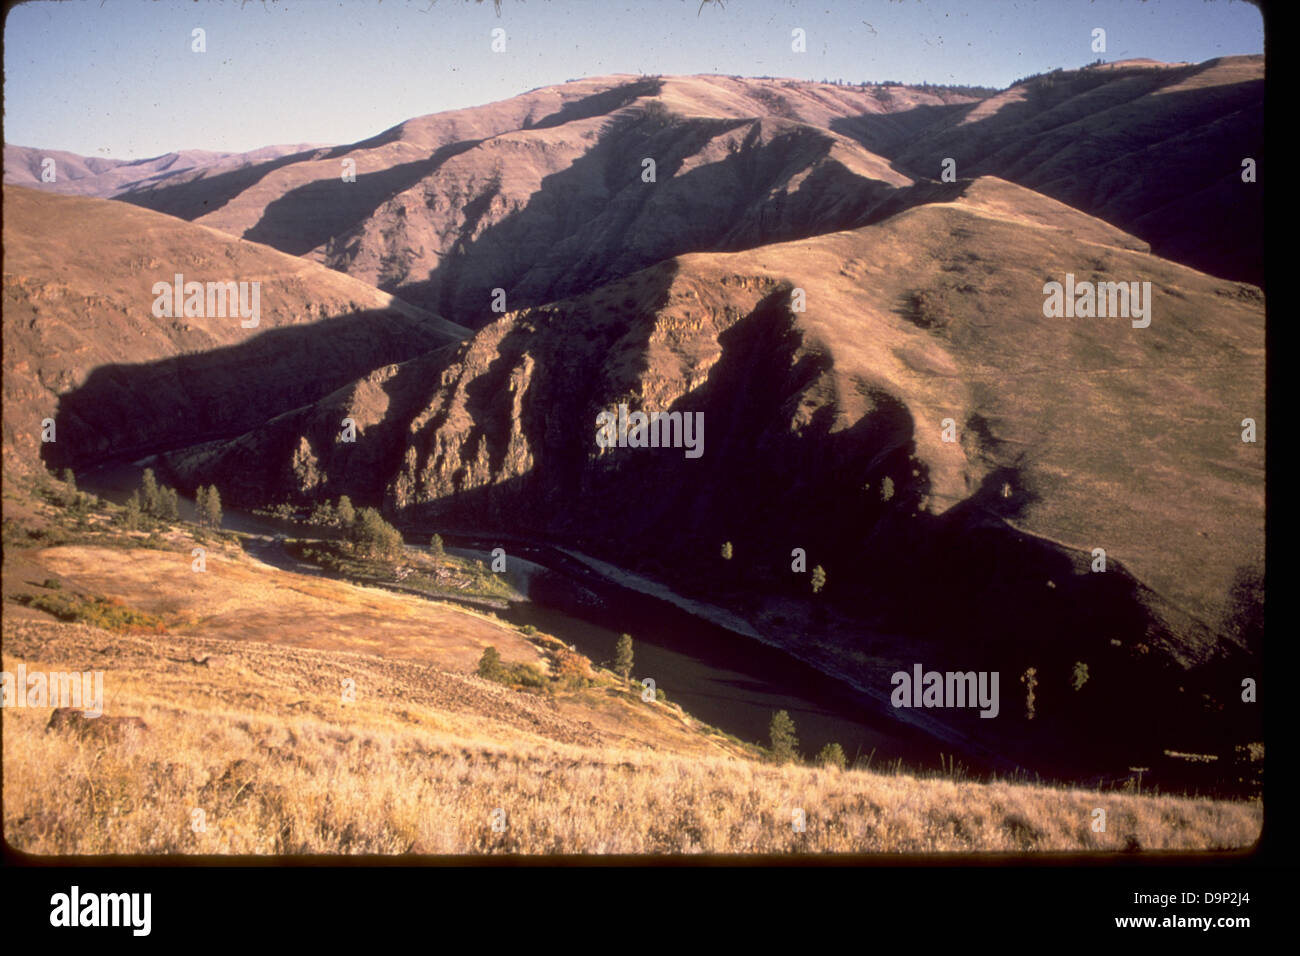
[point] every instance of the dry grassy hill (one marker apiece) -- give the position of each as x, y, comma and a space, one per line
82, 346
1156, 149
542, 194
420, 763
224, 693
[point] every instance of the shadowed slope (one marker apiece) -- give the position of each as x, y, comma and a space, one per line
78, 311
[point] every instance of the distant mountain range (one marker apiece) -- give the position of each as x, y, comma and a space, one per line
106, 178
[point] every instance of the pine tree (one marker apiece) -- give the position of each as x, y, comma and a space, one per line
1080, 675
785, 745
211, 513
726, 551
131, 516
623, 656
169, 504
347, 515
435, 546
71, 498
818, 579
149, 493
201, 506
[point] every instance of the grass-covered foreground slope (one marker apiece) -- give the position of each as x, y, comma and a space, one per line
311, 716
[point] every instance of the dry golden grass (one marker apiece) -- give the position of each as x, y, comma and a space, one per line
239, 596
260, 740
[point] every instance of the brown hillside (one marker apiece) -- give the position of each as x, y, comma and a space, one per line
82, 346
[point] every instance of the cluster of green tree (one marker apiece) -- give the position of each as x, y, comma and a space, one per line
327, 515
365, 532
207, 503
1047, 88
1035, 76
929, 87
77, 503
151, 501
370, 536
785, 744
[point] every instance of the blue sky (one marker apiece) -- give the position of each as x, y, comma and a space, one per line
118, 78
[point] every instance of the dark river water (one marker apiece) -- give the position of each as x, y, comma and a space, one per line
729, 680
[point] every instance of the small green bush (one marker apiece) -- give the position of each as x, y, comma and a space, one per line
489, 665
832, 755
108, 613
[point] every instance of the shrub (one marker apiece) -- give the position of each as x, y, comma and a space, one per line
323, 514
70, 496
570, 669
52, 583
108, 613
832, 755
657, 112
489, 665
927, 309
527, 675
